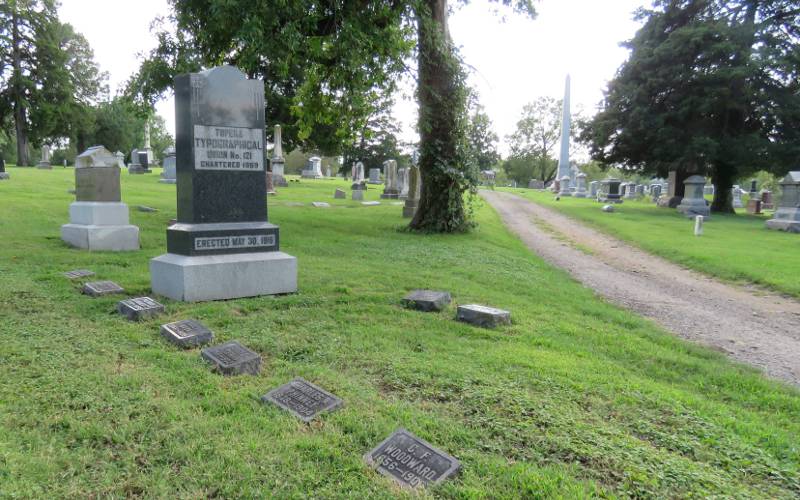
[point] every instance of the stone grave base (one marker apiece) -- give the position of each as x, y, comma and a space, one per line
610, 200
279, 180
43, 165
220, 277
138, 170
579, 194
786, 219
105, 237
409, 210
4, 176
691, 209
168, 181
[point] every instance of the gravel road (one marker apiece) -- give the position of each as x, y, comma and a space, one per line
747, 323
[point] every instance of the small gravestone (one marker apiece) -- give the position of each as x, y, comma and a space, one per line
139, 308
303, 399
145, 208
370, 203
426, 300
320, 204
358, 194
3, 174
79, 273
484, 316
411, 461
100, 288
339, 194
608, 208
187, 333
232, 358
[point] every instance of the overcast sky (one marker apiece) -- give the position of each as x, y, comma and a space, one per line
513, 62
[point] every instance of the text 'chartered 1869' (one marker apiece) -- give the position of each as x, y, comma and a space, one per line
228, 148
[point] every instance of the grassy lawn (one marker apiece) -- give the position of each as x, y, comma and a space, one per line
577, 398
735, 248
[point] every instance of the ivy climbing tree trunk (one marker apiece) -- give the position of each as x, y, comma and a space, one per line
20, 111
442, 108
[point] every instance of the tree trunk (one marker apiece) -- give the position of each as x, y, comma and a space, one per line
20, 112
722, 179
441, 204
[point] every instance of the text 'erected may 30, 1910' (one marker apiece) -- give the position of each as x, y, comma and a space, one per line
228, 148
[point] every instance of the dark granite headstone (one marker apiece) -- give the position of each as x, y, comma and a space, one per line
484, 316
426, 300
100, 288
187, 333
411, 461
139, 308
2, 164
144, 161
232, 358
303, 399
221, 175
79, 273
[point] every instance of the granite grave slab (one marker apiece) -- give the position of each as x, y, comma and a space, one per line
232, 358
303, 399
485, 316
427, 300
79, 273
411, 461
187, 333
139, 308
100, 288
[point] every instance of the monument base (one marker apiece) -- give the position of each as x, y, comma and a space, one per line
579, 194
4, 176
44, 165
790, 226
221, 277
168, 181
691, 207
92, 237
358, 194
137, 170
409, 211
279, 180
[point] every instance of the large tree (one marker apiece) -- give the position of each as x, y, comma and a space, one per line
711, 87
534, 141
482, 137
325, 66
376, 142
47, 75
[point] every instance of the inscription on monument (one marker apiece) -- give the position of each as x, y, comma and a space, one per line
411, 461
303, 399
228, 148
233, 242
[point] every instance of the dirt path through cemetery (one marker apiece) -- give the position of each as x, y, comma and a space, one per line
748, 324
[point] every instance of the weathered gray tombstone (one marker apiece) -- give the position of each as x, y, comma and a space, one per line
485, 316
222, 246
610, 191
232, 358
414, 190
139, 308
277, 162
580, 189
736, 191
120, 156
402, 181
390, 191
100, 288
411, 461
303, 399
339, 194
374, 176
3, 174
44, 163
655, 192
640, 190
766, 200
693, 202
594, 186
187, 333
358, 194
357, 173
169, 175
535, 184
98, 218
313, 168
135, 167
787, 217
698, 225
79, 273
630, 190
427, 300
563, 186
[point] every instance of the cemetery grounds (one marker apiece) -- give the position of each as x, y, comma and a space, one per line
576, 398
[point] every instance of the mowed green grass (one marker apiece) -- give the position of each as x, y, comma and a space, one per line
577, 398
733, 247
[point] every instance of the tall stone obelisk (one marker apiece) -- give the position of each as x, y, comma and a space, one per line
563, 159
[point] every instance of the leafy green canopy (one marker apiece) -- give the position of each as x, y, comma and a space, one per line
710, 87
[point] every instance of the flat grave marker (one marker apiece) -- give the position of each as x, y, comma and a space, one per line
411, 461
370, 203
484, 316
187, 333
139, 308
78, 273
232, 358
427, 300
303, 399
100, 288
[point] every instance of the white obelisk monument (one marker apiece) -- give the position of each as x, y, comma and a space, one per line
563, 159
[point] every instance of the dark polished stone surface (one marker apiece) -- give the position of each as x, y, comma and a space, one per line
187, 333
100, 288
411, 461
232, 358
216, 239
302, 399
97, 184
139, 308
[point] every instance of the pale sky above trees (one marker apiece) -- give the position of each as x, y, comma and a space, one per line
512, 62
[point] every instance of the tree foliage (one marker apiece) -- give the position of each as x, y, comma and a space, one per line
711, 87
482, 137
376, 142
